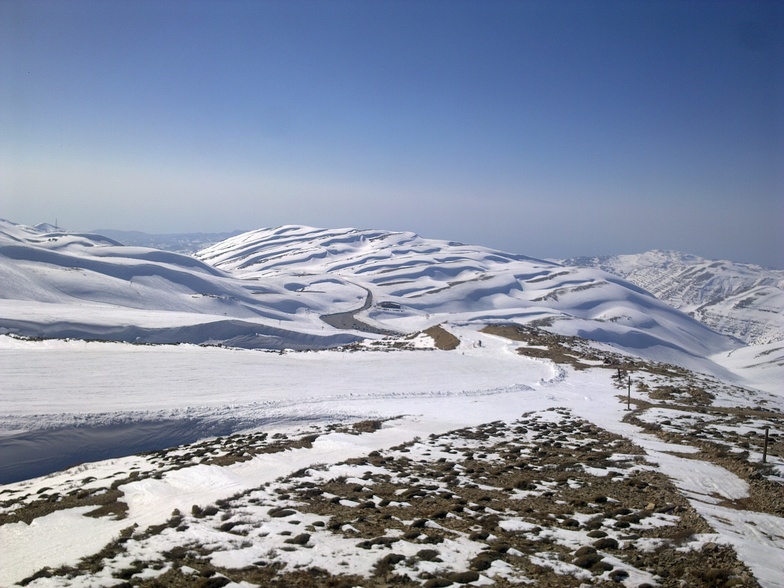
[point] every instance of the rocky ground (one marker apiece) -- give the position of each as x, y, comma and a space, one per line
545, 498
548, 498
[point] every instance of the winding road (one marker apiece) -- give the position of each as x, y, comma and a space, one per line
348, 320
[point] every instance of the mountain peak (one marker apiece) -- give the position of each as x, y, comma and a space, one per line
47, 228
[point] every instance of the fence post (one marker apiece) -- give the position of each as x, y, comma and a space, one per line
765, 446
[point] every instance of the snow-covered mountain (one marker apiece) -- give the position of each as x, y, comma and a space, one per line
415, 282
302, 287
738, 299
60, 284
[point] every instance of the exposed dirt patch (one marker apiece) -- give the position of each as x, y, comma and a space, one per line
443, 339
107, 502
541, 344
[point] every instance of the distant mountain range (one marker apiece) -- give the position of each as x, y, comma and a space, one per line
741, 300
738, 299
303, 287
416, 282
178, 242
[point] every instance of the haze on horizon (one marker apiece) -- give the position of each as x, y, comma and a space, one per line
548, 128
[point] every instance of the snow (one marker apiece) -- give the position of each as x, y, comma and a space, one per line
96, 381
266, 290
757, 537
701, 480
49, 541
389, 392
738, 299
760, 366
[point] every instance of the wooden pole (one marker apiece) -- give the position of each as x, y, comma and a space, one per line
765, 446
629, 394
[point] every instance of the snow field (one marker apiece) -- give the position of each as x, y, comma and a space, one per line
178, 479
45, 385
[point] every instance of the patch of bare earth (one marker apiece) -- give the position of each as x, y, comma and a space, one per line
443, 339
725, 435
541, 344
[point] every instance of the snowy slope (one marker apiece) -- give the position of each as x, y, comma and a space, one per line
58, 284
762, 365
742, 300
474, 451
416, 282
269, 289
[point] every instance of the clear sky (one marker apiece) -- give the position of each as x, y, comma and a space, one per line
549, 128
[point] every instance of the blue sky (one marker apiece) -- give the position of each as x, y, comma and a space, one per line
552, 128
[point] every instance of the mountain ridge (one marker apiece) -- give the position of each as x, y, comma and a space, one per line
739, 299
737, 312
270, 288
417, 281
